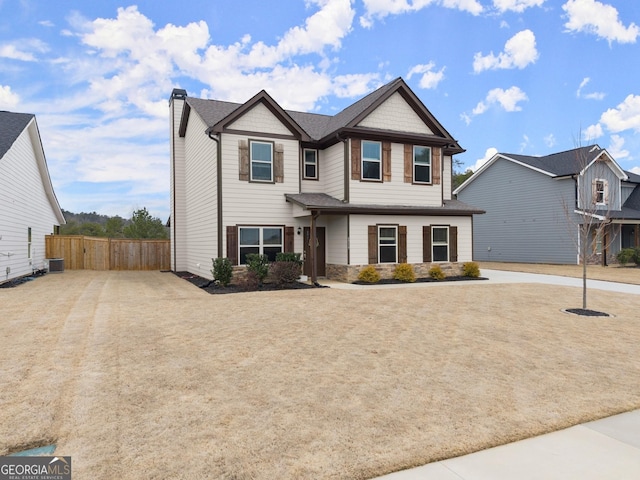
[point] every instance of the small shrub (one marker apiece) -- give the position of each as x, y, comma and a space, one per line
470, 269
284, 272
436, 273
259, 265
288, 257
404, 273
626, 255
222, 271
636, 255
249, 282
369, 274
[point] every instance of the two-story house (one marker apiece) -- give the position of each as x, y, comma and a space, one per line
29, 209
370, 185
540, 209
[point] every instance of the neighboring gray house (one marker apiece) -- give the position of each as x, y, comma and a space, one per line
29, 209
370, 185
534, 206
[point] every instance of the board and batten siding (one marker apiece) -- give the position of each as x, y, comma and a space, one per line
358, 231
600, 171
24, 204
178, 232
396, 191
526, 215
200, 197
395, 114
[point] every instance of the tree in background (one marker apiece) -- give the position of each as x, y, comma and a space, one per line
90, 229
114, 227
143, 225
459, 177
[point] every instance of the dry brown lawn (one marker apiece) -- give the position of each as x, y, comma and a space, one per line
144, 376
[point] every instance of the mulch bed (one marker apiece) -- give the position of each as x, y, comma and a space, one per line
584, 312
215, 288
391, 281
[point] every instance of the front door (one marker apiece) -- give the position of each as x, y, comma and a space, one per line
320, 251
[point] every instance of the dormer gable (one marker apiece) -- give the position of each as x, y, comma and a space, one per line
261, 109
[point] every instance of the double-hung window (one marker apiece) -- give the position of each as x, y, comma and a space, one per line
262, 240
310, 166
440, 244
421, 164
599, 192
261, 158
371, 160
388, 244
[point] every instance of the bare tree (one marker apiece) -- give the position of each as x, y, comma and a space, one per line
590, 212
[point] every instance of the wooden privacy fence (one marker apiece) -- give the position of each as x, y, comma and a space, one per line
91, 253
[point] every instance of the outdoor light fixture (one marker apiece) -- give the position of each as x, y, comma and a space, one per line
299, 230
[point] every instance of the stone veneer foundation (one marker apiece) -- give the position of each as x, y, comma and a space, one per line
349, 273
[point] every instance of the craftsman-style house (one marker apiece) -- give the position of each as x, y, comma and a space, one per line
370, 185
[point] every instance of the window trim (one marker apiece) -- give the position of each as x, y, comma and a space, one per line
396, 240
414, 164
29, 244
599, 192
261, 245
364, 159
271, 163
440, 244
305, 163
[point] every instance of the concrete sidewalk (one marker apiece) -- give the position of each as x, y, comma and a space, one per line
600, 450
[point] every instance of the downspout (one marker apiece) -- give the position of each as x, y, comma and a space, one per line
218, 141
173, 179
346, 167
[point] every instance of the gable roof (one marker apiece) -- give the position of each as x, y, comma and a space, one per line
323, 129
555, 165
11, 126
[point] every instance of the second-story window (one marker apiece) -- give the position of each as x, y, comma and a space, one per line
421, 164
371, 160
599, 192
310, 167
261, 157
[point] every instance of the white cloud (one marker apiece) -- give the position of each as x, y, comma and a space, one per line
8, 99
430, 78
616, 148
507, 99
550, 140
25, 50
488, 155
518, 6
592, 132
379, 9
519, 51
626, 116
589, 96
597, 18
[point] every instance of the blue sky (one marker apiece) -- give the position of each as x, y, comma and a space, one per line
519, 76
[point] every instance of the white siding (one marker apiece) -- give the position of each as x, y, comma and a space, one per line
395, 192
256, 203
446, 177
359, 235
178, 199
23, 204
331, 173
260, 119
201, 198
337, 240
395, 114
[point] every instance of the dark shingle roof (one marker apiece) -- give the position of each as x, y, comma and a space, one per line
11, 126
328, 204
560, 164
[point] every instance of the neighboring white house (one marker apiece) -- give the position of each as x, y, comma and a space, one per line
369, 185
29, 209
536, 207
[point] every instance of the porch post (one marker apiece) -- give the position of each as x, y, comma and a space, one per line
313, 248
